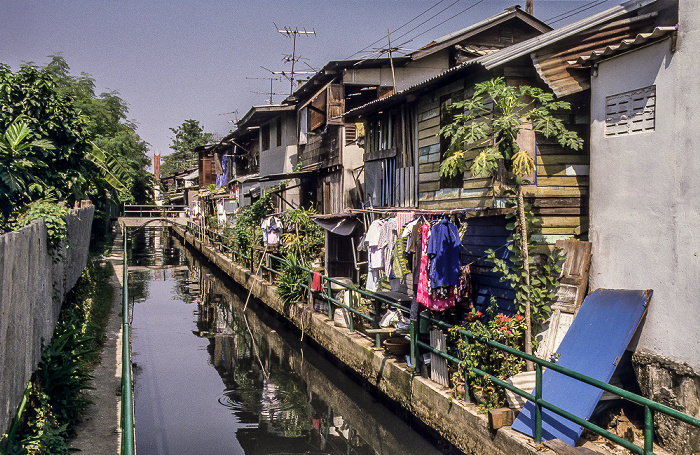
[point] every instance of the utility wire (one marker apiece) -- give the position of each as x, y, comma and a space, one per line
574, 11
446, 20
394, 31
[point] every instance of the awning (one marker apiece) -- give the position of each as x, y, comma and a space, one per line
340, 225
191, 175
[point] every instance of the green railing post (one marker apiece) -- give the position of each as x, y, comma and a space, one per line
351, 317
538, 404
412, 343
466, 373
328, 300
127, 439
648, 431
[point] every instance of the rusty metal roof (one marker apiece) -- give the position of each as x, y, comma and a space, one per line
552, 51
626, 44
553, 62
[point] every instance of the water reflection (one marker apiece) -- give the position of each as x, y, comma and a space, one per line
211, 378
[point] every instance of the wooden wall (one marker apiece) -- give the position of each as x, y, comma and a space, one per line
559, 193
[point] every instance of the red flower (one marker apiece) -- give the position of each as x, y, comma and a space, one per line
479, 314
470, 317
510, 333
503, 328
519, 318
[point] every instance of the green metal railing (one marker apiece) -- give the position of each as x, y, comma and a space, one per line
150, 211
215, 239
127, 408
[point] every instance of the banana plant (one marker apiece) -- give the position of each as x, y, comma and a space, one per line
114, 173
489, 123
18, 180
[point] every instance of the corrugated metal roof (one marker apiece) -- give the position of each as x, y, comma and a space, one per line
546, 39
556, 74
626, 44
507, 14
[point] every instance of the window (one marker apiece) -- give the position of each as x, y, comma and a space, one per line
265, 137
278, 128
630, 112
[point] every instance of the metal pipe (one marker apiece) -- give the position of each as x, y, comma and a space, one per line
127, 439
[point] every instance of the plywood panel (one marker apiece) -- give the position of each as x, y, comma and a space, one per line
562, 159
596, 340
562, 181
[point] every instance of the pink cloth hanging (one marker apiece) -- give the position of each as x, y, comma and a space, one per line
423, 293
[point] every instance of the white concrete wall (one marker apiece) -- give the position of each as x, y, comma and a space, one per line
283, 158
645, 191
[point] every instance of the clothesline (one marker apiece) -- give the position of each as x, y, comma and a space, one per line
419, 211
486, 255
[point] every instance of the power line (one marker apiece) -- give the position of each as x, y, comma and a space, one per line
446, 20
394, 31
573, 12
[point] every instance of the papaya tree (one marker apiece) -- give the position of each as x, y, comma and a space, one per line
486, 127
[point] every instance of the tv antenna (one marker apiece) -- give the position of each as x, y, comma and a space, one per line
272, 92
235, 113
292, 34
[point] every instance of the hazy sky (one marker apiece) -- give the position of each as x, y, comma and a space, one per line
173, 60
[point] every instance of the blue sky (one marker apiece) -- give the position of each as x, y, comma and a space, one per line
175, 60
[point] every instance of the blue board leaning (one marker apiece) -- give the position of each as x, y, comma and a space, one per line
592, 346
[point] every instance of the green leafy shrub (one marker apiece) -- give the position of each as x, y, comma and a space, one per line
507, 330
54, 215
292, 279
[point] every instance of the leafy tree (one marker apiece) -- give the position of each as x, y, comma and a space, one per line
114, 137
64, 172
188, 136
489, 123
94, 151
18, 170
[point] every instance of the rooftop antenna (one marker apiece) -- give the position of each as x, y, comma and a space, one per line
235, 113
391, 60
292, 33
271, 79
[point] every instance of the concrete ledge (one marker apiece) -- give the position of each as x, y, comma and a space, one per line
458, 422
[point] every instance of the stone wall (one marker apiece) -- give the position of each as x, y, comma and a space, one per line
32, 288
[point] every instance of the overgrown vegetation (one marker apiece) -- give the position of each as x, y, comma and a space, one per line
510, 331
62, 141
486, 127
302, 244
188, 137
56, 396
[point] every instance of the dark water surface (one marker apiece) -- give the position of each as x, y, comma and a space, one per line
211, 379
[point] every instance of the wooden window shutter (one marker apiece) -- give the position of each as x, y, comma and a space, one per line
336, 104
317, 111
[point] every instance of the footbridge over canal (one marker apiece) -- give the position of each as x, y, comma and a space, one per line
133, 216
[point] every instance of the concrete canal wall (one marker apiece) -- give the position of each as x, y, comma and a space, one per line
458, 422
33, 284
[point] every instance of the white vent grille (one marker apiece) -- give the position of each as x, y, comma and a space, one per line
631, 112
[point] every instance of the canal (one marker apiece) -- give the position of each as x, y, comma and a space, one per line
215, 374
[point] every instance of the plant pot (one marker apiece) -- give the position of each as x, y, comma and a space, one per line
397, 346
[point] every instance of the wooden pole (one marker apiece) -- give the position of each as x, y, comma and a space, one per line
526, 265
391, 60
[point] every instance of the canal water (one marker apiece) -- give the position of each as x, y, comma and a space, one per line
211, 378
